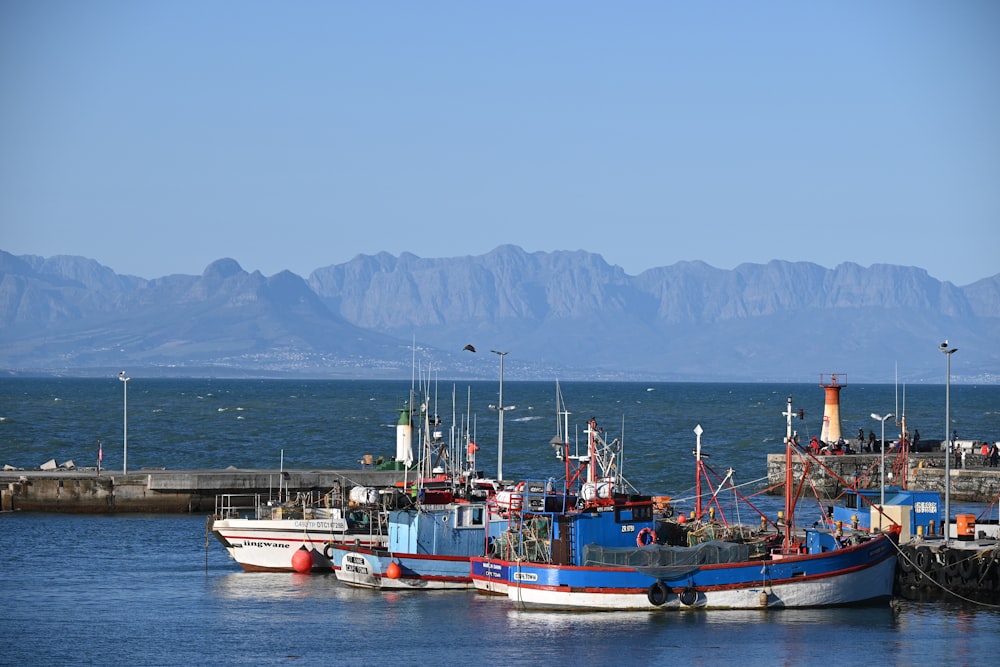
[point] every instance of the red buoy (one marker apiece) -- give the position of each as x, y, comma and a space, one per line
302, 560
393, 571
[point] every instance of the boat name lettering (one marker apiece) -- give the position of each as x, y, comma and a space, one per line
525, 576
494, 567
628, 528
925, 507
259, 544
878, 551
322, 524
355, 564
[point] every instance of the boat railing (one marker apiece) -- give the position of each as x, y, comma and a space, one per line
237, 506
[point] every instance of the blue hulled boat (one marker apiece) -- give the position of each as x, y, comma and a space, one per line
616, 551
447, 519
429, 546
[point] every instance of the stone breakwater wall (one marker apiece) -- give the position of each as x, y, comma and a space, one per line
925, 472
165, 491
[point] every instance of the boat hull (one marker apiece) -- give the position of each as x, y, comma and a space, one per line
267, 545
862, 574
490, 575
372, 568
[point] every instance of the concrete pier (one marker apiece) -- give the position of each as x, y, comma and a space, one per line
974, 484
166, 491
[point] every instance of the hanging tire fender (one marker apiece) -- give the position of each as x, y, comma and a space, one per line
922, 559
968, 569
951, 561
906, 560
689, 596
657, 594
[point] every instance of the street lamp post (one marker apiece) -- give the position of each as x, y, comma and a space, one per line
124, 378
882, 496
500, 409
948, 351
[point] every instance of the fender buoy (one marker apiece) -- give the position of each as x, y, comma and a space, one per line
328, 550
657, 594
302, 561
923, 559
645, 537
689, 596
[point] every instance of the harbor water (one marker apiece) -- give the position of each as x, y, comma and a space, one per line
158, 590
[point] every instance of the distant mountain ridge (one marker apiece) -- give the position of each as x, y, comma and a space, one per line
560, 314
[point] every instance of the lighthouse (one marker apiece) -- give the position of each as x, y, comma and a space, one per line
832, 384
404, 437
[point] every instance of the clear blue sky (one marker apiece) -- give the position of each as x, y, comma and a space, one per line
157, 137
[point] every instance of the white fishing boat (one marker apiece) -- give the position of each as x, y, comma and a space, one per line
298, 535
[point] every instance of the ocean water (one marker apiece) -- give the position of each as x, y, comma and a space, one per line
158, 590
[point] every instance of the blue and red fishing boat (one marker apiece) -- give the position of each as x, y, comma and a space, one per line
614, 550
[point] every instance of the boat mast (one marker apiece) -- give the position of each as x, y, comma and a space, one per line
500, 408
592, 452
698, 430
789, 478
560, 441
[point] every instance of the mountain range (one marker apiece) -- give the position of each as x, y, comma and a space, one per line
563, 314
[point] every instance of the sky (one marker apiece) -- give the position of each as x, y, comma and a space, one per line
157, 137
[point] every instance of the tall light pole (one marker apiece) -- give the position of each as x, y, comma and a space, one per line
882, 497
500, 409
124, 378
948, 351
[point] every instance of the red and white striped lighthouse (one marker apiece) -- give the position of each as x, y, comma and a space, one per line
832, 385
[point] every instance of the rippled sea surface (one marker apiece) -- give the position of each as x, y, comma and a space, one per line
156, 590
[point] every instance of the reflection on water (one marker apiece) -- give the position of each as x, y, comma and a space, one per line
275, 586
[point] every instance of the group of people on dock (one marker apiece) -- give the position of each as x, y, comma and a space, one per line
841, 446
989, 454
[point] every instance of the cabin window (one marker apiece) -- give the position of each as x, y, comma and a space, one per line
469, 516
638, 513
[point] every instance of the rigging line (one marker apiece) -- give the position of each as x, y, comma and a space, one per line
734, 486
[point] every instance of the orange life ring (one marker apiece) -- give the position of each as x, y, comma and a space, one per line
645, 537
